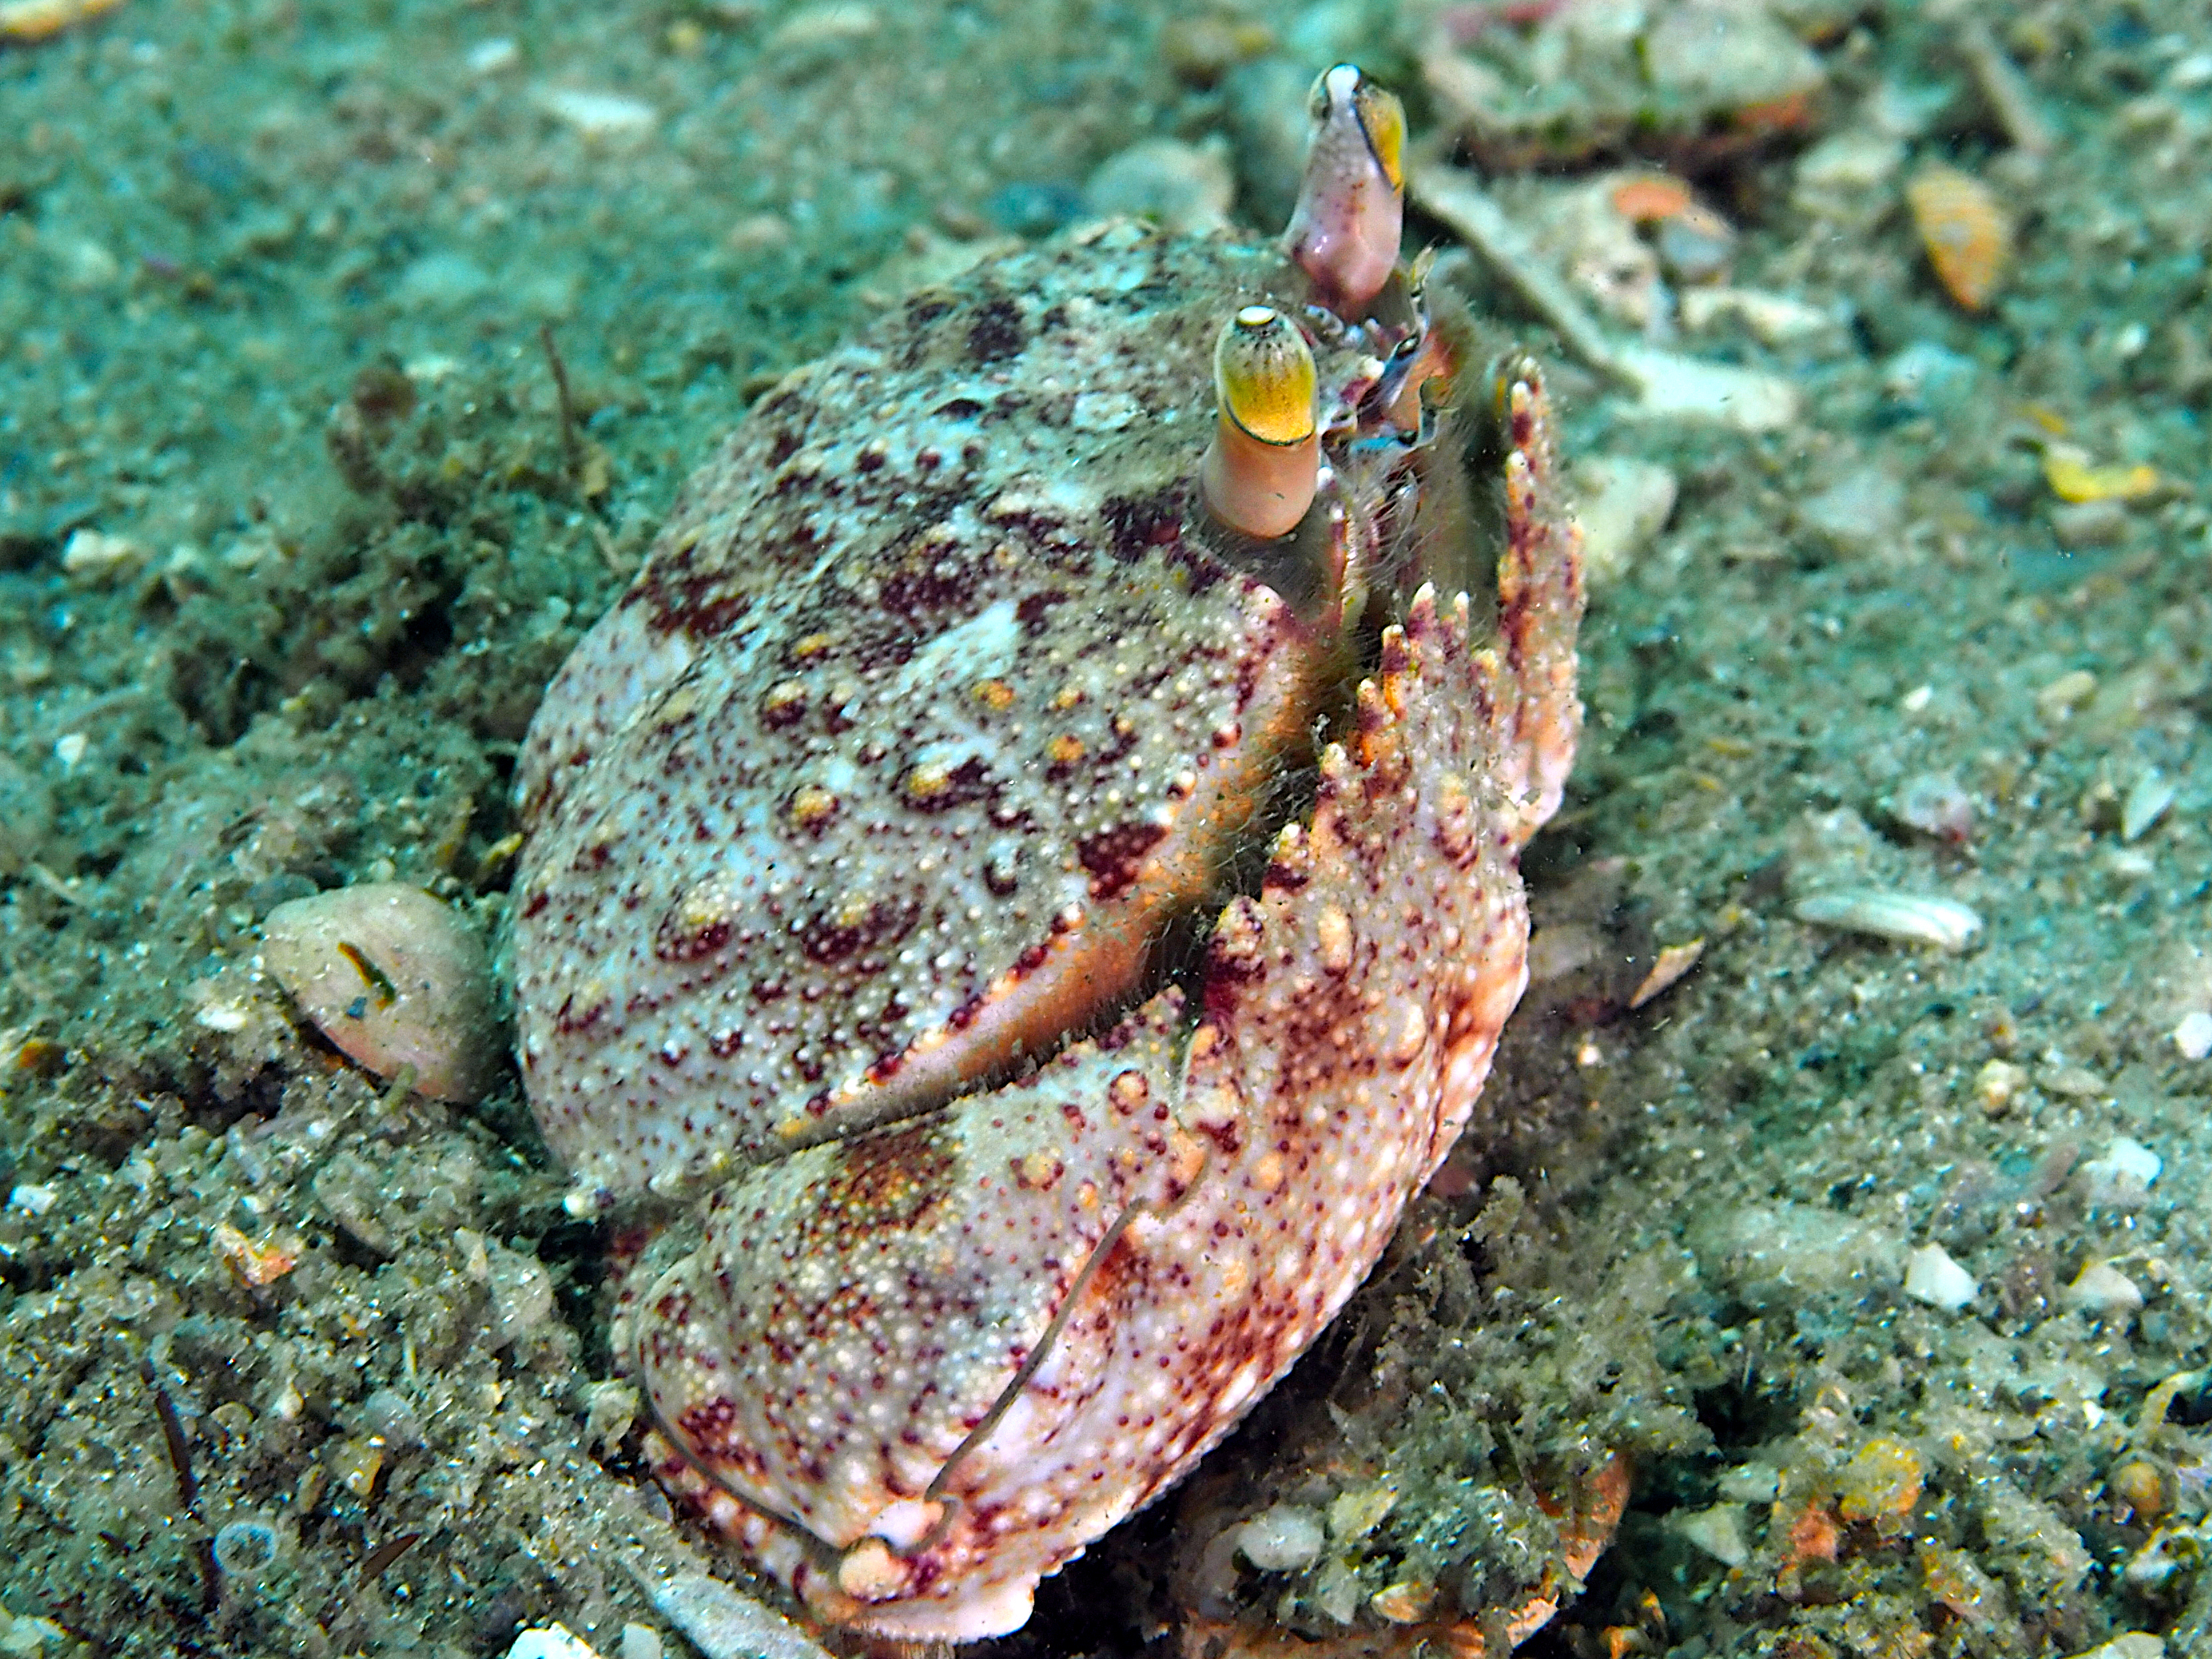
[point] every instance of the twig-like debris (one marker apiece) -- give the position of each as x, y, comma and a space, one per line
1661, 383
571, 444
386, 1555
722, 1622
172, 1435
210, 1573
2004, 89
1454, 195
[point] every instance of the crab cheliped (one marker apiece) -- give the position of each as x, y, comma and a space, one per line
1023, 890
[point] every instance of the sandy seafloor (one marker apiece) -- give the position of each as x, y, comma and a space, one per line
241, 660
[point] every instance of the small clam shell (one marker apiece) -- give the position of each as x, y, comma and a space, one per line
2146, 804
1910, 918
393, 979
1968, 236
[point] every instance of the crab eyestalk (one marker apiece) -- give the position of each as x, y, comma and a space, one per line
1261, 470
1352, 207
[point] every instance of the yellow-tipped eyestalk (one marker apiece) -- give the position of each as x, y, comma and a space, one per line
1352, 207
1260, 471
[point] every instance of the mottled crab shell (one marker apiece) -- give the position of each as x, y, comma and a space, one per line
936, 703
940, 729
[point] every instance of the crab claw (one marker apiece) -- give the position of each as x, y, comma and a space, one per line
1344, 234
1261, 470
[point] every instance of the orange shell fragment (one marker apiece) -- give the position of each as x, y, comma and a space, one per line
40, 20
257, 1266
1650, 197
1968, 234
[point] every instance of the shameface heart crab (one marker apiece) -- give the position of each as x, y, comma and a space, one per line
1022, 888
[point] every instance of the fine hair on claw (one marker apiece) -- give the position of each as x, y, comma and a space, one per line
1261, 470
1344, 232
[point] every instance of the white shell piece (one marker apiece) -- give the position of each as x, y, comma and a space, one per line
2124, 1173
1718, 1531
2146, 804
1910, 918
550, 1642
1931, 1276
2102, 1290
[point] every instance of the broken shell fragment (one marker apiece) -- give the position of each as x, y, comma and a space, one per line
1908, 918
395, 980
1261, 470
1933, 1276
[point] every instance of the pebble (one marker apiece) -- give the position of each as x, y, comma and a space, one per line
2193, 1035
1623, 502
437, 280
493, 57
1843, 177
2135, 1645
2125, 1175
1356, 1513
1931, 375
1776, 318
1286, 1538
1856, 514
1783, 1255
96, 553
2103, 1291
1671, 386
1999, 1083
1184, 188
597, 115
1936, 804
2089, 524
816, 38
550, 1642
1931, 1276
1718, 1531
2065, 694
394, 978
1032, 208
20, 1634
1718, 56
1695, 245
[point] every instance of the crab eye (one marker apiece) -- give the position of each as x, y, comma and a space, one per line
1350, 208
1263, 376
1262, 469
